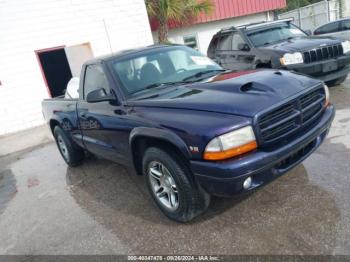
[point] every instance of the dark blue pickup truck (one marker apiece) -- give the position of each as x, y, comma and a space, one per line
190, 127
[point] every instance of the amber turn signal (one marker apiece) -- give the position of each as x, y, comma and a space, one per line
232, 152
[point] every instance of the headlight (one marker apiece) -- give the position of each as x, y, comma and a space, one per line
346, 46
290, 59
326, 91
231, 144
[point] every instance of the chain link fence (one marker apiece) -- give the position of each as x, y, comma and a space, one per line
311, 16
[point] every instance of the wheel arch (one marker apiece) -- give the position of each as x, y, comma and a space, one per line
143, 138
53, 123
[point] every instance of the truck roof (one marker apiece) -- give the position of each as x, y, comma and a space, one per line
126, 52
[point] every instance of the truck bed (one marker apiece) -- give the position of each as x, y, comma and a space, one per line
65, 108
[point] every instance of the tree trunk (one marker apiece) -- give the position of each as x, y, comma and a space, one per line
163, 32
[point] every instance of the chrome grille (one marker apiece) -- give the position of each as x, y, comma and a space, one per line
288, 118
323, 53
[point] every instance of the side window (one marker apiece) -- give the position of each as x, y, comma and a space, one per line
95, 78
329, 28
345, 25
212, 46
225, 42
237, 39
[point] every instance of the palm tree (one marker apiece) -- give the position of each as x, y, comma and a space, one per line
179, 11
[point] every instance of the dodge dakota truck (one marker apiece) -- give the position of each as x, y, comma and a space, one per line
189, 127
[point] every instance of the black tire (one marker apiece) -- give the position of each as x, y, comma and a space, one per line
72, 155
336, 82
192, 199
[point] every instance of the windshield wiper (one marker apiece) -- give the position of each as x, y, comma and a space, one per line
278, 41
154, 85
199, 74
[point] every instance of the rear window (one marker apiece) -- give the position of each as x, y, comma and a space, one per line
212, 46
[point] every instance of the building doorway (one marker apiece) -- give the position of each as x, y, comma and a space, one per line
55, 69
59, 64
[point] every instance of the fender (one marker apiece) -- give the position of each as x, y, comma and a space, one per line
64, 121
162, 134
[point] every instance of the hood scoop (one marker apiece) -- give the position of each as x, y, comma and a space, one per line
256, 88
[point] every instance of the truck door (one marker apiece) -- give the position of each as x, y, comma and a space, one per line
231, 53
102, 124
222, 54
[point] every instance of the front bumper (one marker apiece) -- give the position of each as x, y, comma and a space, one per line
324, 70
225, 178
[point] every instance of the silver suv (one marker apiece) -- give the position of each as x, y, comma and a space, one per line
339, 28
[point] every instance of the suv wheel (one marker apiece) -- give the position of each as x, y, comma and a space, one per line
71, 154
172, 186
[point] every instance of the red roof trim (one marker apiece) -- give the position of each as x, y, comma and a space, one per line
224, 9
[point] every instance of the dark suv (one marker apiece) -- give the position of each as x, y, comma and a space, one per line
281, 45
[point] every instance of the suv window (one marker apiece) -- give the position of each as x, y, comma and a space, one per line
237, 39
225, 42
345, 25
95, 79
328, 28
274, 34
212, 46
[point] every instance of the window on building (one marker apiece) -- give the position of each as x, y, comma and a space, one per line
191, 41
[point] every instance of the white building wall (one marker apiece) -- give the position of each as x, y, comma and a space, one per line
345, 8
205, 31
29, 25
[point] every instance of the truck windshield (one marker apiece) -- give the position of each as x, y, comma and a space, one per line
275, 34
163, 67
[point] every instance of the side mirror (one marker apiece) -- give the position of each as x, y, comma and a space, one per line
243, 47
308, 32
99, 95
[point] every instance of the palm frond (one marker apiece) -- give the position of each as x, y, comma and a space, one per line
194, 8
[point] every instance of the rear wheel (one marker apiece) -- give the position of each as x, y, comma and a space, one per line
71, 154
336, 81
172, 186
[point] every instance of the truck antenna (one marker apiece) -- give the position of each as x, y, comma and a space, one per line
109, 40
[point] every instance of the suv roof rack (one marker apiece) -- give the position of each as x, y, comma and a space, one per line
252, 25
256, 24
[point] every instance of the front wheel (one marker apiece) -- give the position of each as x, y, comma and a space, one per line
172, 186
336, 81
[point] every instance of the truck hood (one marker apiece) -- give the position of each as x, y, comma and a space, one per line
302, 44
244, 93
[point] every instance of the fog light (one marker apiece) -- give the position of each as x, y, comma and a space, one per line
247, 183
